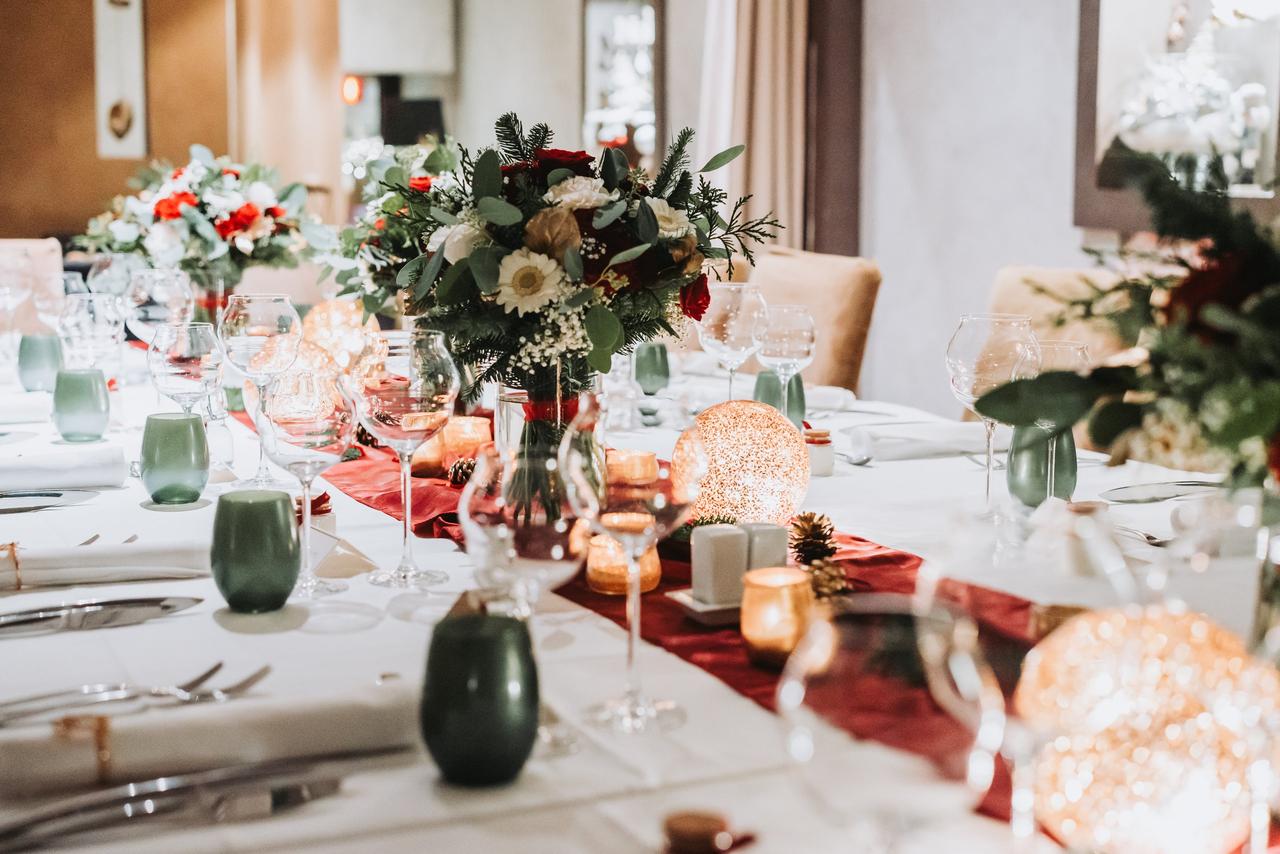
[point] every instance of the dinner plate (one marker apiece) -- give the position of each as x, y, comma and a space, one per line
1149, 493
24, 500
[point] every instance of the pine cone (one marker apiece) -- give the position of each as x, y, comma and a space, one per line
811, 535
460, 471
828, 579
364, 437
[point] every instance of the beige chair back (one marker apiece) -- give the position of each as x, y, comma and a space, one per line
1016, 291
40, 261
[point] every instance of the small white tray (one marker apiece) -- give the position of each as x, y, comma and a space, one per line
701, 612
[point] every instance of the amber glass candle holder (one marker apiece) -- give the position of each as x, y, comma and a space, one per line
607, 567
776, 602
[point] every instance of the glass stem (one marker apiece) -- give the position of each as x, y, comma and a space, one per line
991, 453
264, 473
304, 536
633, 692
1052, 456
732, 371
406, 497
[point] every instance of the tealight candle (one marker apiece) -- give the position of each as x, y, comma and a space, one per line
775, 612
463, 437
428, 460
607, 567
631, 468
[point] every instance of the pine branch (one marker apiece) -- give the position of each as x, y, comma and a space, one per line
675, 163
510, 133
539, 137
679, 196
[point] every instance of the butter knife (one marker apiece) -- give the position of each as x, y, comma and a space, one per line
92, 614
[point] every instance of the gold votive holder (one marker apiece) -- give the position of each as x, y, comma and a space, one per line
776, 602
607, 567
463, 437
630, 468
428, 460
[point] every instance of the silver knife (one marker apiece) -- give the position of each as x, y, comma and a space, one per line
92, 614
224, 794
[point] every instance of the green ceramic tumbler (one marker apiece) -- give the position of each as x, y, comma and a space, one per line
769, 390
653, 370
479, 711
39, 360
1028, 466
255, 554
175, 457
81, 408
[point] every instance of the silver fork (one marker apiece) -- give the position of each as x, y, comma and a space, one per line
178, 695
98, 688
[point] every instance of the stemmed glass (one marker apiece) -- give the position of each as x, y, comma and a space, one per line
981, 356
1052, 356
403, 404
51, 297
788, 344
637, 512
260, 334
308, 425
733, 324
14, 290
168, 291
92, 330
185, 362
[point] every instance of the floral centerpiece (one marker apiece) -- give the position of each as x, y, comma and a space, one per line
539, 264
212, 218
1203, 375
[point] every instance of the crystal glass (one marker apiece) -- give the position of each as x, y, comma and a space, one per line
92, 331
112, 273
1051, 356
50, 298
163, 296
981, 356
185, 362
860, 664
637, 512
15, 287
788, 344
309, 424
260, 334
733, 325
403, 405
222, 445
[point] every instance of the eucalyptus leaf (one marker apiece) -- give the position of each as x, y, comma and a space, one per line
573, 263
603, 328
453, 284
607, 214
441, 215
428, 277
722, 159
600, 359
201, 154
409, 272
486, 177
392, 203
485, 261
441, 159
610, 171
581, 298
372, 303
294, 197
378, 168
558, 175
497, 211
1112, 418
646, 222
1060, 398
629, 254
319, 236
396, 177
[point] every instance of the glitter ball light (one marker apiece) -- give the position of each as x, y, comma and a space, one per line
1150, 710
339, 327
757, 464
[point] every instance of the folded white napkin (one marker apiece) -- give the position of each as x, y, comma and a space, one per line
921, 441
64, 468
102, 563
42, 758
828, 397
25, 407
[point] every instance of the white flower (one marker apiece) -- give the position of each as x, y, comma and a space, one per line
222, 203
123, 232
260, 194
527, 281
138, 209
461, 240
672, 222
164, 244
579, 192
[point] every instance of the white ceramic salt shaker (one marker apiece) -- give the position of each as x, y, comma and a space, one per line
719, 556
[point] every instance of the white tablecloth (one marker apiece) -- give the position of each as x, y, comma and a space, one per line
614, 792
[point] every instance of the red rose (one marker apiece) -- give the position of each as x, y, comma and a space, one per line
379, 224
1273, 457
1227, 281
550, 159
232, 172
695, 297
275, 212
421, 183
170, 207
240, 220
176, 174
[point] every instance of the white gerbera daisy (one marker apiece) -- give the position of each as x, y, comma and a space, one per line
579, 192
527, 281
672, 222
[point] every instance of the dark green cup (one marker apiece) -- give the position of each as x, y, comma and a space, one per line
653, 371
769, 390
175, 457
255, 554
479, 711
81, 408
39, 360
1027, 471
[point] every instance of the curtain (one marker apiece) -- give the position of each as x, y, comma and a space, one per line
753, 92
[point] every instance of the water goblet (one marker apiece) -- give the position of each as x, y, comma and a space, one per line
260, 335
91, 327
403, 403
163, 295
733, 325
185, 362
309, 423
788, 345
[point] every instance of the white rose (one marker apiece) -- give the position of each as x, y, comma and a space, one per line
138, 209
672, 222
260, 194
579, 192
123, 232
164, 244
222, 203
461, 240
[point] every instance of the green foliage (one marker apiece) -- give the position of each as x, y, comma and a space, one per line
675, 165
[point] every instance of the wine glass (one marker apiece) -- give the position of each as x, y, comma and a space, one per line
308, 425
637, 511
112, 273
733, 324
981, 356
222, 445
403, 404
861, 665
1051, 356
91, 328
166, 294
185, 362
788, 344
15, 287
260, 335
